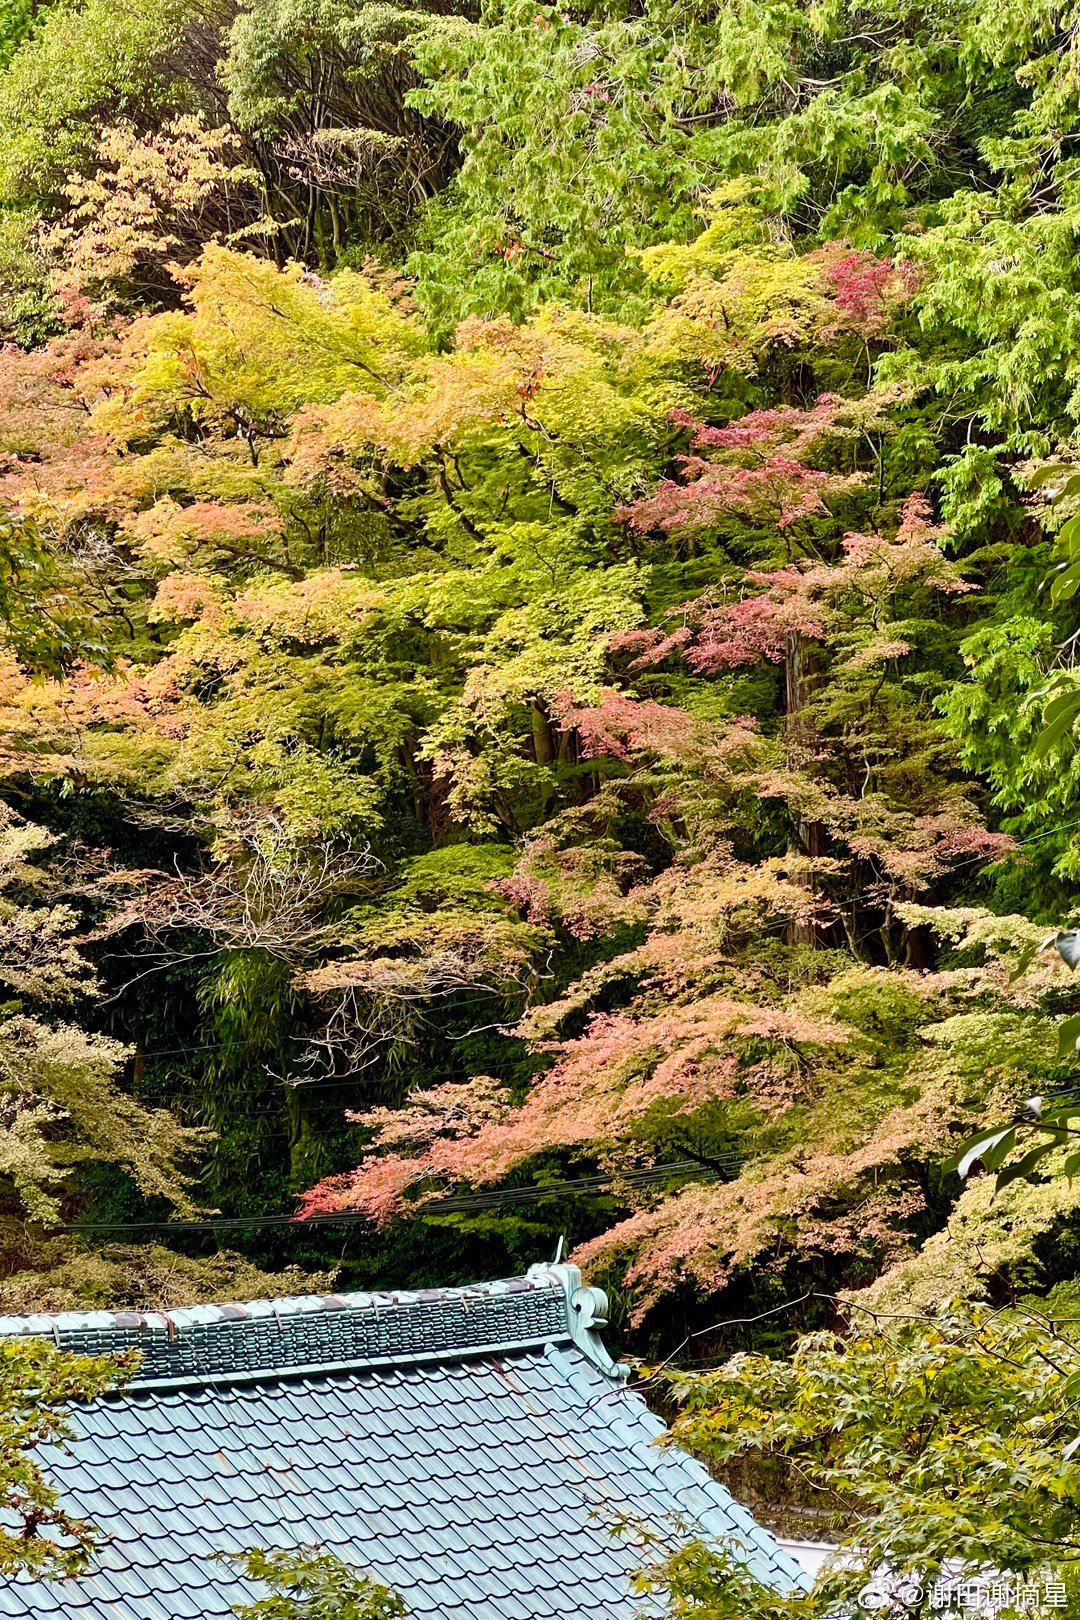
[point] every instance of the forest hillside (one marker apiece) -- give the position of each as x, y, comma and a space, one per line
538, 554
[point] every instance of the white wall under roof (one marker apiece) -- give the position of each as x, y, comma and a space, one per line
809, 1555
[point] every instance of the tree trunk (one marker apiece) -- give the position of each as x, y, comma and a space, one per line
543, 742
799, 673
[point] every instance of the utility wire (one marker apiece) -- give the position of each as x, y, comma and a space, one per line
1021, 843
231, 1046
495, 1198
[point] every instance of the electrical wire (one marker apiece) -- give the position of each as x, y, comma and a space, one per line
237, 1046
1021, 843
494, 1198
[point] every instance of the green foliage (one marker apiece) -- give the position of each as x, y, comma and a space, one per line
60, 1106
319, 85
80, 66
42, 621
330, 160
570, 707
37, 1385
1043, 1126
701, 1582
309, 1584
15, 19
941, 1446
592, 133
562, 170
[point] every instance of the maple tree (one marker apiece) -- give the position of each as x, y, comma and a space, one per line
38, 1385
519, 699
939, 1449
310, 1584
565, 693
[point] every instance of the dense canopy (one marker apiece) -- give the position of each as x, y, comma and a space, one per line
527, 649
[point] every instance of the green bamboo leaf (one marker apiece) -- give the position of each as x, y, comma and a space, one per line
1065, 583
1023, 962
1050, 475
1063, 1118
1023, 1167
1069, 1036
1059, 728
997, 1151
1061, 703
975, 1149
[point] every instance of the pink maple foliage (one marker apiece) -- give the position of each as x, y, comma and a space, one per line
620, 725
798, 429
757, 469
866, 290
601, 1083
679, 1050
808, 599
779, 491
758, 626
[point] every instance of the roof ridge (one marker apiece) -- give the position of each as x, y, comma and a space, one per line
207, 1343
40, 1322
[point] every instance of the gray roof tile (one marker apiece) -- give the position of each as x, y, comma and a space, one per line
483, 1486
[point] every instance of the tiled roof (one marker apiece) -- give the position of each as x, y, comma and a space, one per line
481, 1478
215, 1341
